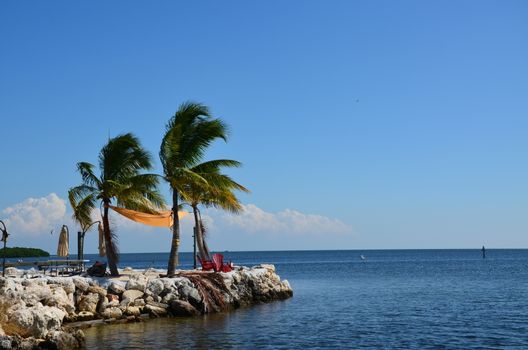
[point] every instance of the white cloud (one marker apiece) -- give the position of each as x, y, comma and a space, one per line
36, 216
254, 219
254, 228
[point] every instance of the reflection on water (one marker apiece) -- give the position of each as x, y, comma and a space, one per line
218, 331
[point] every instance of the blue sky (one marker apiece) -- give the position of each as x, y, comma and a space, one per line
361, 124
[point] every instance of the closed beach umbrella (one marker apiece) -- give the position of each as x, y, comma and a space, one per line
102, 248
64, 239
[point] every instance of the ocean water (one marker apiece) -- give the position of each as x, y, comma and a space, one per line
392, 299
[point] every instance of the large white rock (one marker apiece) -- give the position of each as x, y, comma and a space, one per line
65, 282
6, 284
168, 285
155, 286
112, 312
35, 292
34, 321
139, 302
88, 302
85, 316
156, 309
132, 294
268, 267
80, 283
167, 298
116, 288
137, 282
58, 298
190, 292
132, 311
97, 289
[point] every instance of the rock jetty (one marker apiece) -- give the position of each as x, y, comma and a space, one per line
47, 312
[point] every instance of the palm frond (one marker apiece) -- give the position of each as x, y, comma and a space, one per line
77, 193
188, 134
214, 166
223, 199
202, 136
183, 177
187, 114
82, 207
123, 157
87, 174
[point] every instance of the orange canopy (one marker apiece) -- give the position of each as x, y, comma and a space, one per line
162, 219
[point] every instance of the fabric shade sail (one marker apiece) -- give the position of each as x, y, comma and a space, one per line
162, 219
64, 247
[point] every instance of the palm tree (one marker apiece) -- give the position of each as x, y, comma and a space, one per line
120, 162
217, 192
188, 134
82, 214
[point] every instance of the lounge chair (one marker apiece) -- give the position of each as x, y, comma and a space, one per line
207, 265
219, 266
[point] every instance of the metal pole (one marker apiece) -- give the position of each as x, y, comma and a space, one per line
79, 249
194, 248
4, 238
80, 240
82, 245
3, 262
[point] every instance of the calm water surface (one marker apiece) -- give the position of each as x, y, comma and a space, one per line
397, 299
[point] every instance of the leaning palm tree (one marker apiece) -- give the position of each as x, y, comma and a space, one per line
188, 134
121, 161
216, 192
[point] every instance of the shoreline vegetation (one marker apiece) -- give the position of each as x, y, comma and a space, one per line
22, 252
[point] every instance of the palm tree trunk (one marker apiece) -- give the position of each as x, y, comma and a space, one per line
110, 253
206, 248
173, 257
199, 235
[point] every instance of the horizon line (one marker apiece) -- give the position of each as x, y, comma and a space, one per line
320, 250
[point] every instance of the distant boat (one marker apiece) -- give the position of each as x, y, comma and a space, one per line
363, 257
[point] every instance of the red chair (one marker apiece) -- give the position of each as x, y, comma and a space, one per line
218, 262
207, 265
227, 267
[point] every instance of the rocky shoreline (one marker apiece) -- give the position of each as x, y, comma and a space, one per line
47, 312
